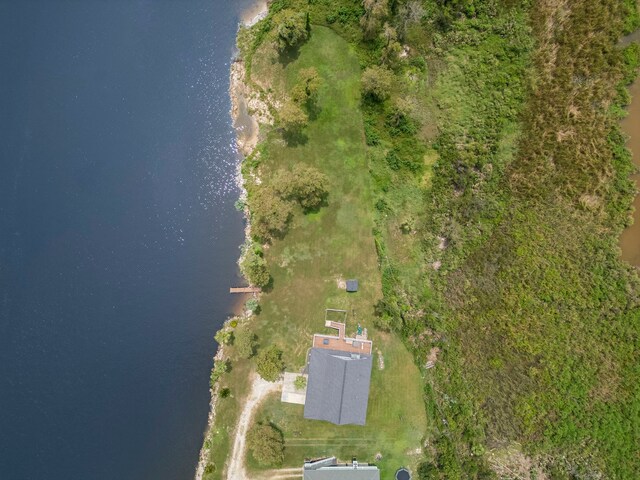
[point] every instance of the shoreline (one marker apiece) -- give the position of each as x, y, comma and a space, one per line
246, 128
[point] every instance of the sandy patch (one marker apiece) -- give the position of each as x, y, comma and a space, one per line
254, 13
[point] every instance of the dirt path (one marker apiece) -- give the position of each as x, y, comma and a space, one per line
259, 390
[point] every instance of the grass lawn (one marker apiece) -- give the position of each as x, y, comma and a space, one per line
319, 249
335, 242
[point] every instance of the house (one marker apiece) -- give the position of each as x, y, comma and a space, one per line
339, 371
330, 469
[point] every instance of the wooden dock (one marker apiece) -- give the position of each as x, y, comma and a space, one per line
245, 290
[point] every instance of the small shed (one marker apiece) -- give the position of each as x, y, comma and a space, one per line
352, 285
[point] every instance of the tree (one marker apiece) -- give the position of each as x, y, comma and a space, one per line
292, 29
306, 89
224, 337
292, 117
266, 444
377, 82
409, 14
269, 363
303, 184
270, 214
254, 268
245, 343
375, 11
392, 48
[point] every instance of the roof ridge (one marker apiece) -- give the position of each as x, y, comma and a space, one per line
344, 381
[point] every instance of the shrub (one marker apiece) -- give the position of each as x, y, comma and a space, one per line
224, 337
306, 90
254, 267
239, 205
220, 367
300, 382
253, 305
270, 364
266, 444
376, 83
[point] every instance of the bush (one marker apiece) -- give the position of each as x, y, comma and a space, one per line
239, 205
306, 90
270, 364
300, 383
220, 367
376, 83
224, 337
254, 268
266, 444
253, 305
245, 343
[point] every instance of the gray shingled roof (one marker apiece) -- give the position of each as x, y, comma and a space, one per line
338, 387
328, 469
343, 473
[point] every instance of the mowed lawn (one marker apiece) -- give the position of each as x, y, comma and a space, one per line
337, 241
320, 248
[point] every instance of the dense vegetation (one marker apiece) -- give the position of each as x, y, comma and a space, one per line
501, 184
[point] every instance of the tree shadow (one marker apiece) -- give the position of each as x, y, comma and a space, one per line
295, 138
288, 55
267, 288
313, 109
315, 209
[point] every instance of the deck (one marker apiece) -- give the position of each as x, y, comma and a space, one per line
345, 344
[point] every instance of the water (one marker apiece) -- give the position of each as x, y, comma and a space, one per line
118, 237
630, 238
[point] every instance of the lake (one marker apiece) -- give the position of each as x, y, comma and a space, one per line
118, 235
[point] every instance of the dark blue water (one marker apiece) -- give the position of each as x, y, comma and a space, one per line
118, 237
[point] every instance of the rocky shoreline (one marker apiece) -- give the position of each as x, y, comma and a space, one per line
247, 112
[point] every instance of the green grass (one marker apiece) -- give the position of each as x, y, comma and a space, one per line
319, 248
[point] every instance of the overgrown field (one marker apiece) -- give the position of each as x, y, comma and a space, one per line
478, 186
